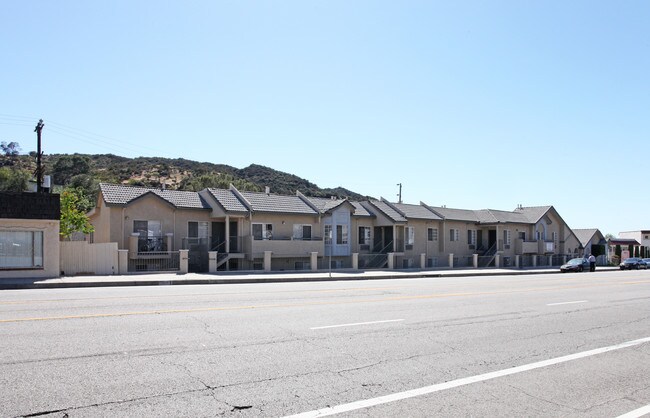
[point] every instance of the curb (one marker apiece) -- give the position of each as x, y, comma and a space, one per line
98, 282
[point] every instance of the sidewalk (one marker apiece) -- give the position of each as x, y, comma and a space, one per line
166, 279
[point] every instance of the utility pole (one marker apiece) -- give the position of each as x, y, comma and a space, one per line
39, 167
400, 193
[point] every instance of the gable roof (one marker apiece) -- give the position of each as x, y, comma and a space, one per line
387, 210
360, 210
273, 203
324, 204
119, 195
533, 213
411, 211
585, 235
228, 199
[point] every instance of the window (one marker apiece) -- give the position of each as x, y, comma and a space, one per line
150, 235
454, 234
364, 235
506, 238
301, 231
328, 234
432, 234
21, 249
471, 237
555, 239
262, 231
522, 236
410, 237
341, 234
197, 229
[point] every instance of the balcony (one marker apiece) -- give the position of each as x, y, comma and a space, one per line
534, 247
285, 246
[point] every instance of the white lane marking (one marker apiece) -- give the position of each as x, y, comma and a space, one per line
637, 412
567, 303
358, 323
367, 403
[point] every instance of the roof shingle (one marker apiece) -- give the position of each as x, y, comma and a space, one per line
116, 194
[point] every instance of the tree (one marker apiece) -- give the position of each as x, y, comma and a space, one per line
13, 180
11, 149
68, 166
73, 215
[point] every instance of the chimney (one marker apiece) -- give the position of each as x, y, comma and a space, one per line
267, 190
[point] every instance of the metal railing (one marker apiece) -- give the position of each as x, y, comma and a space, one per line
151, 244
155, 261
373, 261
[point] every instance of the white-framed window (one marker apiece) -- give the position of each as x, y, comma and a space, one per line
364, 235
506, 238
432, 234
454, 234
262, 231
198, 229
471, 237
328, 234
409, 235
21, 249
341, 234
302, 232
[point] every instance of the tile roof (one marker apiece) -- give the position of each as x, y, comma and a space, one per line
360, 210
228, 200
388, 211
486, 216
324, 204
456, 214
116, 194
416, 211
262, 202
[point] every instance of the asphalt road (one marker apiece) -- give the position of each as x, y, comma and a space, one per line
570, 345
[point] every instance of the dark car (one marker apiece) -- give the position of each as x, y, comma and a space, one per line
575, 264
633, 263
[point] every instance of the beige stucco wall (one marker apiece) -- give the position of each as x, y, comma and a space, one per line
283, 224
51, 251
281, 243
355, 223
421, 244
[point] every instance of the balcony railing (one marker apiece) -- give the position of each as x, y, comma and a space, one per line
284, 245
151, 244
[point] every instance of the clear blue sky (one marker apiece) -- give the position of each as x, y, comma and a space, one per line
469, 104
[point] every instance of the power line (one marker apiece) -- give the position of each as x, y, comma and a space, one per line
78, 134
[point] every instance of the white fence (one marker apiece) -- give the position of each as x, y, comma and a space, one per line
80, 257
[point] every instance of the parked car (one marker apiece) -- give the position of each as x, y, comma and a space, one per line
575, 264
647, 261
633, 263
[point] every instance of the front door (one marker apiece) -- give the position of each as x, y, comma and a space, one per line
492, 238
218, 242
